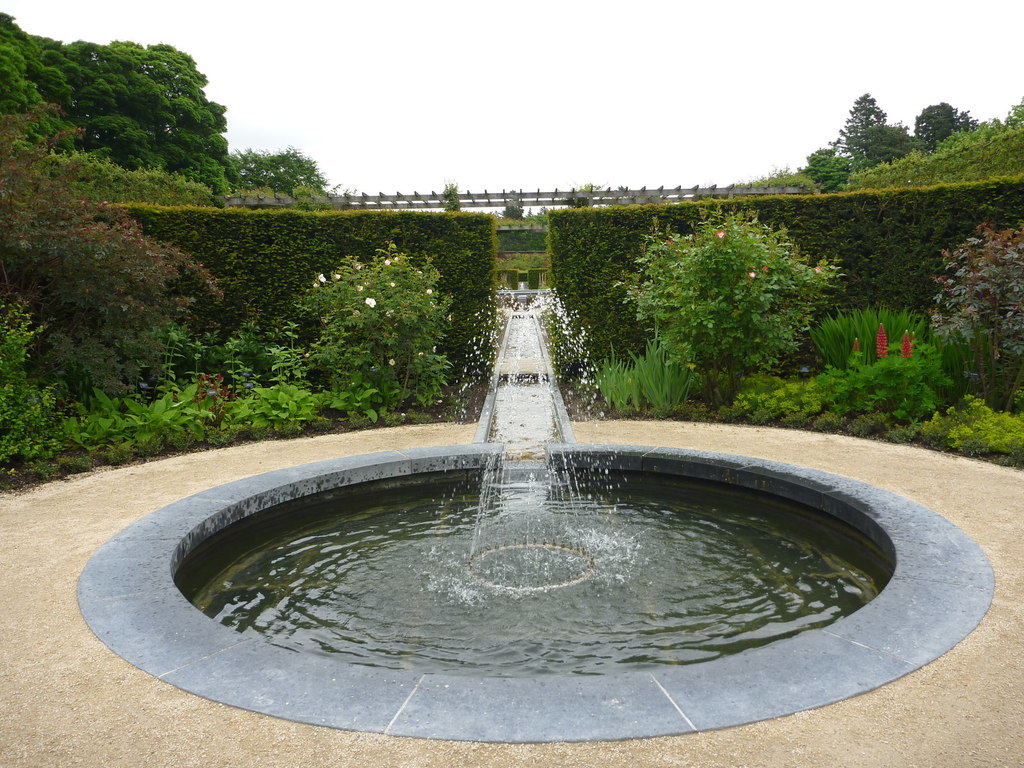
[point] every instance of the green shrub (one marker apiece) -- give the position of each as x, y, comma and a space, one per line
508, 278
903, 433
973, 428
94, 285
868, 424
128, 421
982, 306
30, 426
281, 408
728, 299
380, 324
828, 422
99, 180
792, 401
905, 387
848, 338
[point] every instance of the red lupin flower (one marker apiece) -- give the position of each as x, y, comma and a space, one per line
856, 344
881, 342
907, 346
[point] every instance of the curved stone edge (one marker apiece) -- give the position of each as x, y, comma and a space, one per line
940, 590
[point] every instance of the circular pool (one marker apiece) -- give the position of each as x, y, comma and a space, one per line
939, 589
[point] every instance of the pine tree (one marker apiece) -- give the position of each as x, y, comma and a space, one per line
867, 139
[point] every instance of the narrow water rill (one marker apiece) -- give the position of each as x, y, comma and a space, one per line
529, 588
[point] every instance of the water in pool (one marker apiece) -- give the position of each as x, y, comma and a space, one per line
635, 573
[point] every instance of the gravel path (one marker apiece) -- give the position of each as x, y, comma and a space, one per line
69, 701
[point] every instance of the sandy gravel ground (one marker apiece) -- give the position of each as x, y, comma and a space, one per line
68, 701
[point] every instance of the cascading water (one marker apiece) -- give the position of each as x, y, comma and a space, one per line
528, 535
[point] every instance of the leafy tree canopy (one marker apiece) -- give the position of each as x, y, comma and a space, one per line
282, 172
142, 107
25, 80
939, 121
828, 170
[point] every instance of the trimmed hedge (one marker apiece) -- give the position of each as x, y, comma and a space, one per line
888, 245
264, 260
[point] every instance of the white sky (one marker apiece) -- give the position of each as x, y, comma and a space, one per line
403, 96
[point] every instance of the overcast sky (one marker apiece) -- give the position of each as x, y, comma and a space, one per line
406, 96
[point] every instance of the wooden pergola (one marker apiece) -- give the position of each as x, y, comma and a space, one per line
556, 198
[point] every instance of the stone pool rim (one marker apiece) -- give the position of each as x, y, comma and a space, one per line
940, 590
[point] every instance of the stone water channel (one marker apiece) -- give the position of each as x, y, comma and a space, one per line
524, 410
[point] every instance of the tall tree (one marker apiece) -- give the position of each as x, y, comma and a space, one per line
829, 171
938, 122
279, 171
143, 107
867, 139
25, 79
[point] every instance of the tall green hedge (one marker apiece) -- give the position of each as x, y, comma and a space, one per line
264, 260
887, 243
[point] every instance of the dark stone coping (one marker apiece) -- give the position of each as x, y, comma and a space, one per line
940, 590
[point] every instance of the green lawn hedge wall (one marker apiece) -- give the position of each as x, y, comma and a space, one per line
264, 260
887, 243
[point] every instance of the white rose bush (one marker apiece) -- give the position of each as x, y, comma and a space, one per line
379, 324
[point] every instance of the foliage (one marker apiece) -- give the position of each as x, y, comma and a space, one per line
728, 299
199, 411
867, 140
769, 398
513, 210
652, 380
523, 262
265, 260
522, 240
281, 171
381, 320
451, 197
982, 304
26, 81
829, 171
29, 421
277, 407
87, 276
888, 245
974, 428
100, 180
906, 387
142, 107
837, 336
784, 177
581, 202
128, 420
940, 121
985, 153
360, 399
